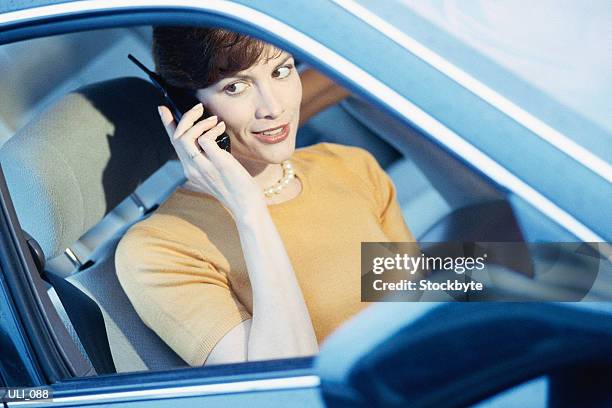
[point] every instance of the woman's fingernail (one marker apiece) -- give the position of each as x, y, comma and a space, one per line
159, 111
212, 118
199, 106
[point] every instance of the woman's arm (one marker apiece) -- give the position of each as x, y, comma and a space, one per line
280, 326
318, 93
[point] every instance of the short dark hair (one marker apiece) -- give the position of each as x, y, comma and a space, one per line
196, 57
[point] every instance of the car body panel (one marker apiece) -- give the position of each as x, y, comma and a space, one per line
16, 365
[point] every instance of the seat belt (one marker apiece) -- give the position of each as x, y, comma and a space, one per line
83, 312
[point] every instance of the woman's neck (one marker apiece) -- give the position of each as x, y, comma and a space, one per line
264, 174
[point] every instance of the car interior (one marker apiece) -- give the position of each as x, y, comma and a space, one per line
85, 156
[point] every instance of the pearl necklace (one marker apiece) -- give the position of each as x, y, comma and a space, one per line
277, 187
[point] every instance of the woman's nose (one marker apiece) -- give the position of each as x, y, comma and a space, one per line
269, 106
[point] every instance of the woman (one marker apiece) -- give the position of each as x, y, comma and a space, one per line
257, 256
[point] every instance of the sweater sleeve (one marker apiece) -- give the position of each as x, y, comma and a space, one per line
177, 293
389, 211
379, 186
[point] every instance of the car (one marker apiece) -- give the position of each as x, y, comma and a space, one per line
481, 145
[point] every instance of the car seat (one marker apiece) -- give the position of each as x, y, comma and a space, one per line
71, 165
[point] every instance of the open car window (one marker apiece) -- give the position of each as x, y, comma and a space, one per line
354, 122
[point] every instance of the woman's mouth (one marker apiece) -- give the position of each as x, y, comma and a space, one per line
273, 135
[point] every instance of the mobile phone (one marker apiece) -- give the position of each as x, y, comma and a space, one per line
179, 100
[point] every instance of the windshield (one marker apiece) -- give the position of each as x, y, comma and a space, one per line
550, 58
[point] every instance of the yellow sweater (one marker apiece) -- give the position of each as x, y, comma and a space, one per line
183, 268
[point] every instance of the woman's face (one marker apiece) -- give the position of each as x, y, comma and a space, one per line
260, 107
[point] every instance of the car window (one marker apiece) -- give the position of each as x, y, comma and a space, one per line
421, 203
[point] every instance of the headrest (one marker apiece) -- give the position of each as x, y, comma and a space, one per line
77, 160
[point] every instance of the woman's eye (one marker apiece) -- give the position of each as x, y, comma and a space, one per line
235, 88
282, 72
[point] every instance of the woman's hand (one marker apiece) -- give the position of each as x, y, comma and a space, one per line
208, 168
